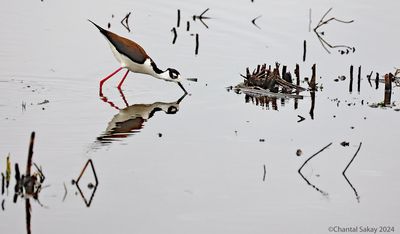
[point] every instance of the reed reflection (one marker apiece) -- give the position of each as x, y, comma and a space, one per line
28, 185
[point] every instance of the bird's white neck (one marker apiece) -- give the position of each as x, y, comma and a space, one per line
156, 72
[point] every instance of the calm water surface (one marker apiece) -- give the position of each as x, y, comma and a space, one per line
195, 163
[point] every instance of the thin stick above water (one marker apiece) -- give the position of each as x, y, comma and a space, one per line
312, 156
352, 159
305, 179
179, 19
197, 44
265, 172
359, 80
30, 155
175, 35
344, 173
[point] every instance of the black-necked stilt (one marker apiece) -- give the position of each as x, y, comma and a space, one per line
135, 59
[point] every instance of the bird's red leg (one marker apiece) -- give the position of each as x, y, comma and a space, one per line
123, 79
108, 77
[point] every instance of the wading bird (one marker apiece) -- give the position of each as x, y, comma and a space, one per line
135, 59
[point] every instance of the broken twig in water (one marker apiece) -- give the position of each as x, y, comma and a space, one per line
65, 192
377, 81
175, 35
201, 17
313, 82
268, 78
359, 80
84, 168
265, 172
322, 21
125, 23
344, 173
8, 171
351, 79
40, 172
3, 178
312, 156
179, 19
324, 43
30, 183
297, 73
301, 118
388, 89
197, 44
388, 82
308, 182
30, 154
309, 20
253, 21
352, 159
312, 93
369, 78
17, 172
88, 203
28, 215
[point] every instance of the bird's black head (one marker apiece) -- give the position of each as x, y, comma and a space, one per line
173, 74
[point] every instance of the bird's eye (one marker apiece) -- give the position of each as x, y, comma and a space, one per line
174, 74
172, 110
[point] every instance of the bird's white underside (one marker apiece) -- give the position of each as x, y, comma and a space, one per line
144, 68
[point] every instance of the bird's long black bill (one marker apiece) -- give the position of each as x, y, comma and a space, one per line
192, 79
183, 88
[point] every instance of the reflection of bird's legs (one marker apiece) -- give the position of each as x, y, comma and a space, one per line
123, 96
105, 99
181, 98
123, 79
183, 88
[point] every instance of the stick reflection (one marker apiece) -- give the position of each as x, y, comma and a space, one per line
94, 187
305, 179
344, 174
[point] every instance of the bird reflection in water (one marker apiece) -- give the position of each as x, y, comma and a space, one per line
131, 119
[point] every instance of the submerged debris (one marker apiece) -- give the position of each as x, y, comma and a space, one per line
29, 184
389, 80
269, 82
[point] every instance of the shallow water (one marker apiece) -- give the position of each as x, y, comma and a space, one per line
200, 167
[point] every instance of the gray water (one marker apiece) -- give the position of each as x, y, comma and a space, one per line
201, 169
